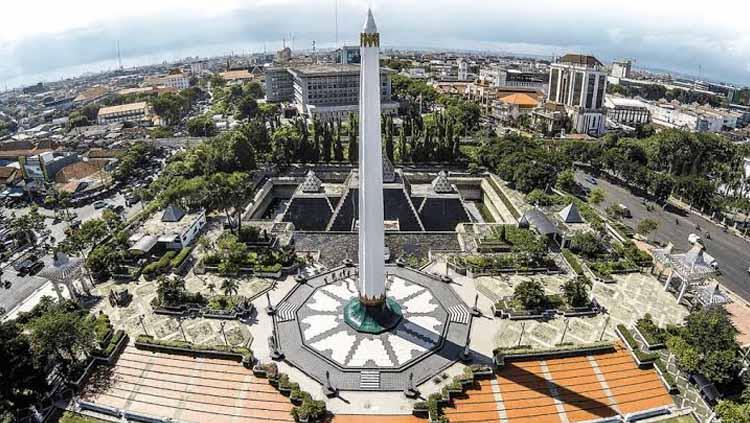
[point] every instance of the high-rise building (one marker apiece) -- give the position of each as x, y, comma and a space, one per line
348, 55
621, 69
579, 83
463, 70
325, 91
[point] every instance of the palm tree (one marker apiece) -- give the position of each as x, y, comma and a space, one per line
230, 287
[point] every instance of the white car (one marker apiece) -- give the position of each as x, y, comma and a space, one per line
693, 239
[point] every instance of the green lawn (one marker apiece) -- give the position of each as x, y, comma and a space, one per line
679, 419
69, 417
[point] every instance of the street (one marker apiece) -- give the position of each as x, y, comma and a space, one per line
732, 252
21, 287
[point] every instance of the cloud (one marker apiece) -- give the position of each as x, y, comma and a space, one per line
667, 34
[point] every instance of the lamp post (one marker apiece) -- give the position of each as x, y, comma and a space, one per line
143, 324
523, 328
182, 331
565, 330
224, 334
604, 329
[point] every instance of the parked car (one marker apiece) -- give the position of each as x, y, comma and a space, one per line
28, 267
100, 204
591, 180
624, 210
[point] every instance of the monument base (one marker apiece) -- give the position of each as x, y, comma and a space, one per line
372, 318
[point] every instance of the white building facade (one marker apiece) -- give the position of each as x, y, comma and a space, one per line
579, 83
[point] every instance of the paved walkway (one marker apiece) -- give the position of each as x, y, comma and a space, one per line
187, 389
562, 390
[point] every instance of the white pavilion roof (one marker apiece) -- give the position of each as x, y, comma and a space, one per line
694, 265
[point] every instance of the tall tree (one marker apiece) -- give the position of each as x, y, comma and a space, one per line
389, 138
353, 132
403, 154
23, 374
327, 142
338, 149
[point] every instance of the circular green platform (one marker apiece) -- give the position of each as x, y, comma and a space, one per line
372, 319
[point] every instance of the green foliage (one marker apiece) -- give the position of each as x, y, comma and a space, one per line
650, 331
169, 106
538, 197
201, 126
566, 181
596, 196
733, 412
655, 92
71, 417
223, 302
160, 266
576, 291
23, 373
172, 292
160, 132
573, 261
179, 258
526, 164
587, 244
102, 327
707, 344
68, 336
147, 339
530, 293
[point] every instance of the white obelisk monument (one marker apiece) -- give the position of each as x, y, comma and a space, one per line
371, 228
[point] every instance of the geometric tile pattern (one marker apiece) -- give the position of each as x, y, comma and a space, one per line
314, 337
626, 300
324, 328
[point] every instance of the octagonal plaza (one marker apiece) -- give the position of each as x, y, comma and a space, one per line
314, 337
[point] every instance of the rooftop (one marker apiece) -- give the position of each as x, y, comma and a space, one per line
580, 59
122, 108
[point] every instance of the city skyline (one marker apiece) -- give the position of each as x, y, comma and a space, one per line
685, 39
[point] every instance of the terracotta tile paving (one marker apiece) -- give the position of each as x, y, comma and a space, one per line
579, 389
367, 418
191, 390
526, 395
480, 405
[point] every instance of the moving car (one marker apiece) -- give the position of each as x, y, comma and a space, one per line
99, 205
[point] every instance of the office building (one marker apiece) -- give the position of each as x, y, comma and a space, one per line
578, 82
512, 78
627, 111
463, 70
348, 55
132, 112
176, 80
621, 69
327, 91
279, 86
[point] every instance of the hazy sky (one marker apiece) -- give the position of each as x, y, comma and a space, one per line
38, 36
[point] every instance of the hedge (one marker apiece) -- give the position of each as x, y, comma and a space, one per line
148, 339
643, 357
568, 348
160, 265
179, 258
572, 260
113, 341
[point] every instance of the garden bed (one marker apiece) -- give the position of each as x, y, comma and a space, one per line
239, 354
217, 307
642, 359
666, 378
525, 351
